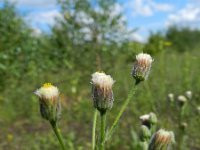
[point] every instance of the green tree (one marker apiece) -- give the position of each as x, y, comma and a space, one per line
183, 39
88, 31
155, 44
18, 47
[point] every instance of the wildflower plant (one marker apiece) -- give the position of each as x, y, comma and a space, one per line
103, 99
50, 108
161, 140
170, 97
183, 104
102, 95
142, 67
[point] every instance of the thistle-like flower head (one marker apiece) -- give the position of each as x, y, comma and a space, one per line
142, 66
170, 97
144, 117
102, 91
47, 91
181, 100
161, 140
49, 101
183, 126
148, 119
188, 94
198, 109
103, 81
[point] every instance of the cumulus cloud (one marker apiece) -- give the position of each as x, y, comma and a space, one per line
187, 16
34, 3
137, 37
116, 9
42, 18
148, 7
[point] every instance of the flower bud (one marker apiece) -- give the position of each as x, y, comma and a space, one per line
183, 126
181, 100
145, 120
148, 119
102, 93
161, 140
143, 145
142, 67
170, 97
145, 133
49, 102
188, 94
198, 109
153, 119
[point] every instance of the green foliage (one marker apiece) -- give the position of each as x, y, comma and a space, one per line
88, 31
67, 58
183, 39
18, 49
176, 38
155, 44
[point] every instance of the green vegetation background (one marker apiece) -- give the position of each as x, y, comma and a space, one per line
67, 58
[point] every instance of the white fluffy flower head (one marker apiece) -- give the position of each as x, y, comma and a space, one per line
198, 109
165, 136
188, 94
102, 80
148, 119
102, 93
161, 138
163, 132
170, 97
142, 66
144, 58
144, 117
47, 91
182, 98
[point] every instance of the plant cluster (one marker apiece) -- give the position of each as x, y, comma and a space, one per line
103, 99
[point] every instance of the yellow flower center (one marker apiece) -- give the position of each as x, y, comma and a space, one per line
47, 85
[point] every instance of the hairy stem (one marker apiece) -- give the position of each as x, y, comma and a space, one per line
94, 129
103, 131
58, 134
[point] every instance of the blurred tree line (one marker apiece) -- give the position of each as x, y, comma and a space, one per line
88, 34
179, 39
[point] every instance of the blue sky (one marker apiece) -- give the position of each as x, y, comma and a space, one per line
146, 15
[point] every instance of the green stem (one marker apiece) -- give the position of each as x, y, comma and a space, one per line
58, 134
94, 129
103, 130
130, 95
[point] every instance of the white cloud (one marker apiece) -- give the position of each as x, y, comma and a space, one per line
137, 37
116, 9
189, 15
44, 18
148, 7
34, 3
36, 32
